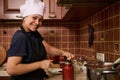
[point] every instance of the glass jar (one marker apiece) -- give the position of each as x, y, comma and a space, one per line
68, 71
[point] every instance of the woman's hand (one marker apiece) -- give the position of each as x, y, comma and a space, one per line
68, 55
45, 64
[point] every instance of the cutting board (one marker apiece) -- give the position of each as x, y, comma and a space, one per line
2, 55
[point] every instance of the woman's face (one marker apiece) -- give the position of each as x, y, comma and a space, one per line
32, 22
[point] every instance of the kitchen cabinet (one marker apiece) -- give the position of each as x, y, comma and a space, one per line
52, 10
9, 9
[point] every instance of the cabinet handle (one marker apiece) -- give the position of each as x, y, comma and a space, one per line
19, 16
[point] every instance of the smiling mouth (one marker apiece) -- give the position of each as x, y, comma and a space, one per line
35, 26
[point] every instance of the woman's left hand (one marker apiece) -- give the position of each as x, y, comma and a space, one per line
68, 55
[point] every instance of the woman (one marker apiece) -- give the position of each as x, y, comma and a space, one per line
27, 52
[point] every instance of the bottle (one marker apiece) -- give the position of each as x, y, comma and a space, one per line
68, 71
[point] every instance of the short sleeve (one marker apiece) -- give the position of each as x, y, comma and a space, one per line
18, 45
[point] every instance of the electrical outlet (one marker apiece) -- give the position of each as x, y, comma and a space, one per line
100, 56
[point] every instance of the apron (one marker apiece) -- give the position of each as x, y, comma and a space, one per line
38, 54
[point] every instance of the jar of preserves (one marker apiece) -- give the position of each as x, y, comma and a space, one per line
68, 71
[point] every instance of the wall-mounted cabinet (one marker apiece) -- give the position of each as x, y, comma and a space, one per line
52, 10
9, 9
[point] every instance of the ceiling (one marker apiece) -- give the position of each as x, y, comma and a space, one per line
82, 9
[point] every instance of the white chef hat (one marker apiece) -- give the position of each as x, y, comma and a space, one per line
32, 7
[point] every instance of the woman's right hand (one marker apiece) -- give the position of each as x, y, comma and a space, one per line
45, 64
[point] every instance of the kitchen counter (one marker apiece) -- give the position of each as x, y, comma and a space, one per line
4, 73
80, 76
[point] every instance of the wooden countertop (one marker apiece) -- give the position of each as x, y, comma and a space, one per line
3, 74
80, 76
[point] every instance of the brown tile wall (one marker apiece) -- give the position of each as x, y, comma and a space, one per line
106, 24
61, 35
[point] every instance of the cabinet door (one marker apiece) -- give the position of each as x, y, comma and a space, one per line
52, 10
9, 9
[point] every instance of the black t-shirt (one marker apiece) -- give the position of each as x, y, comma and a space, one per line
25, 45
